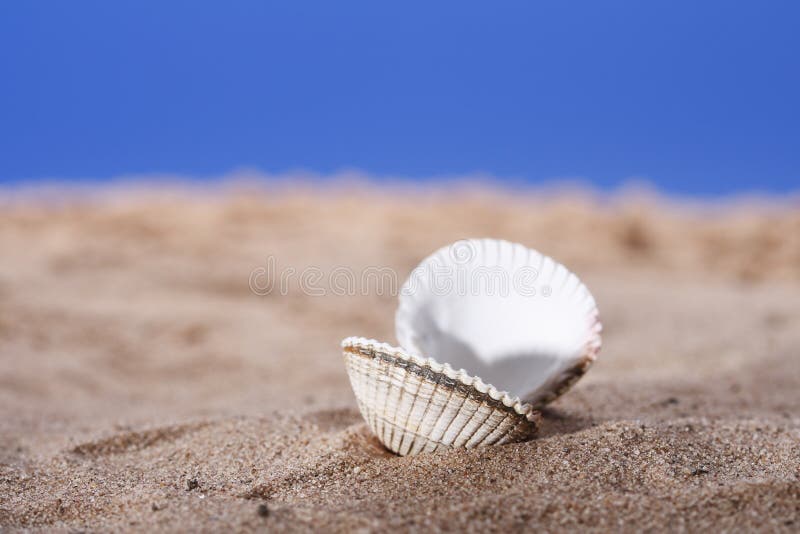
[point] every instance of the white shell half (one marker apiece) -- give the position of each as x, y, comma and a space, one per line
414, 404
504, 312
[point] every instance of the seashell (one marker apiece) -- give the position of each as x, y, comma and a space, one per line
515, 318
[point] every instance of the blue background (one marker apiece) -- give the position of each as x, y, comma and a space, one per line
696, 97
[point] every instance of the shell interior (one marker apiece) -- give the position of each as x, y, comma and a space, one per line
506, 313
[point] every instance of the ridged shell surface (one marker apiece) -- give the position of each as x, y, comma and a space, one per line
504, 312
414, 404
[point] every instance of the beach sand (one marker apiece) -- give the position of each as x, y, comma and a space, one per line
145, 386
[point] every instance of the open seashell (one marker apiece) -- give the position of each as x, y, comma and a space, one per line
515, 318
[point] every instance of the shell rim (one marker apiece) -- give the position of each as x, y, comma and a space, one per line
513, 402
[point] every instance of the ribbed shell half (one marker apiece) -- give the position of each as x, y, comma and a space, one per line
416, 405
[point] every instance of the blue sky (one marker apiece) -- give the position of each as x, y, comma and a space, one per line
699, 98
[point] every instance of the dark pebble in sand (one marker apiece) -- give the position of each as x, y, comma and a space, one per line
263, 511
192, 484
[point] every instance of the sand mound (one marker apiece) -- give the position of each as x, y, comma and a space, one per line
144, 385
